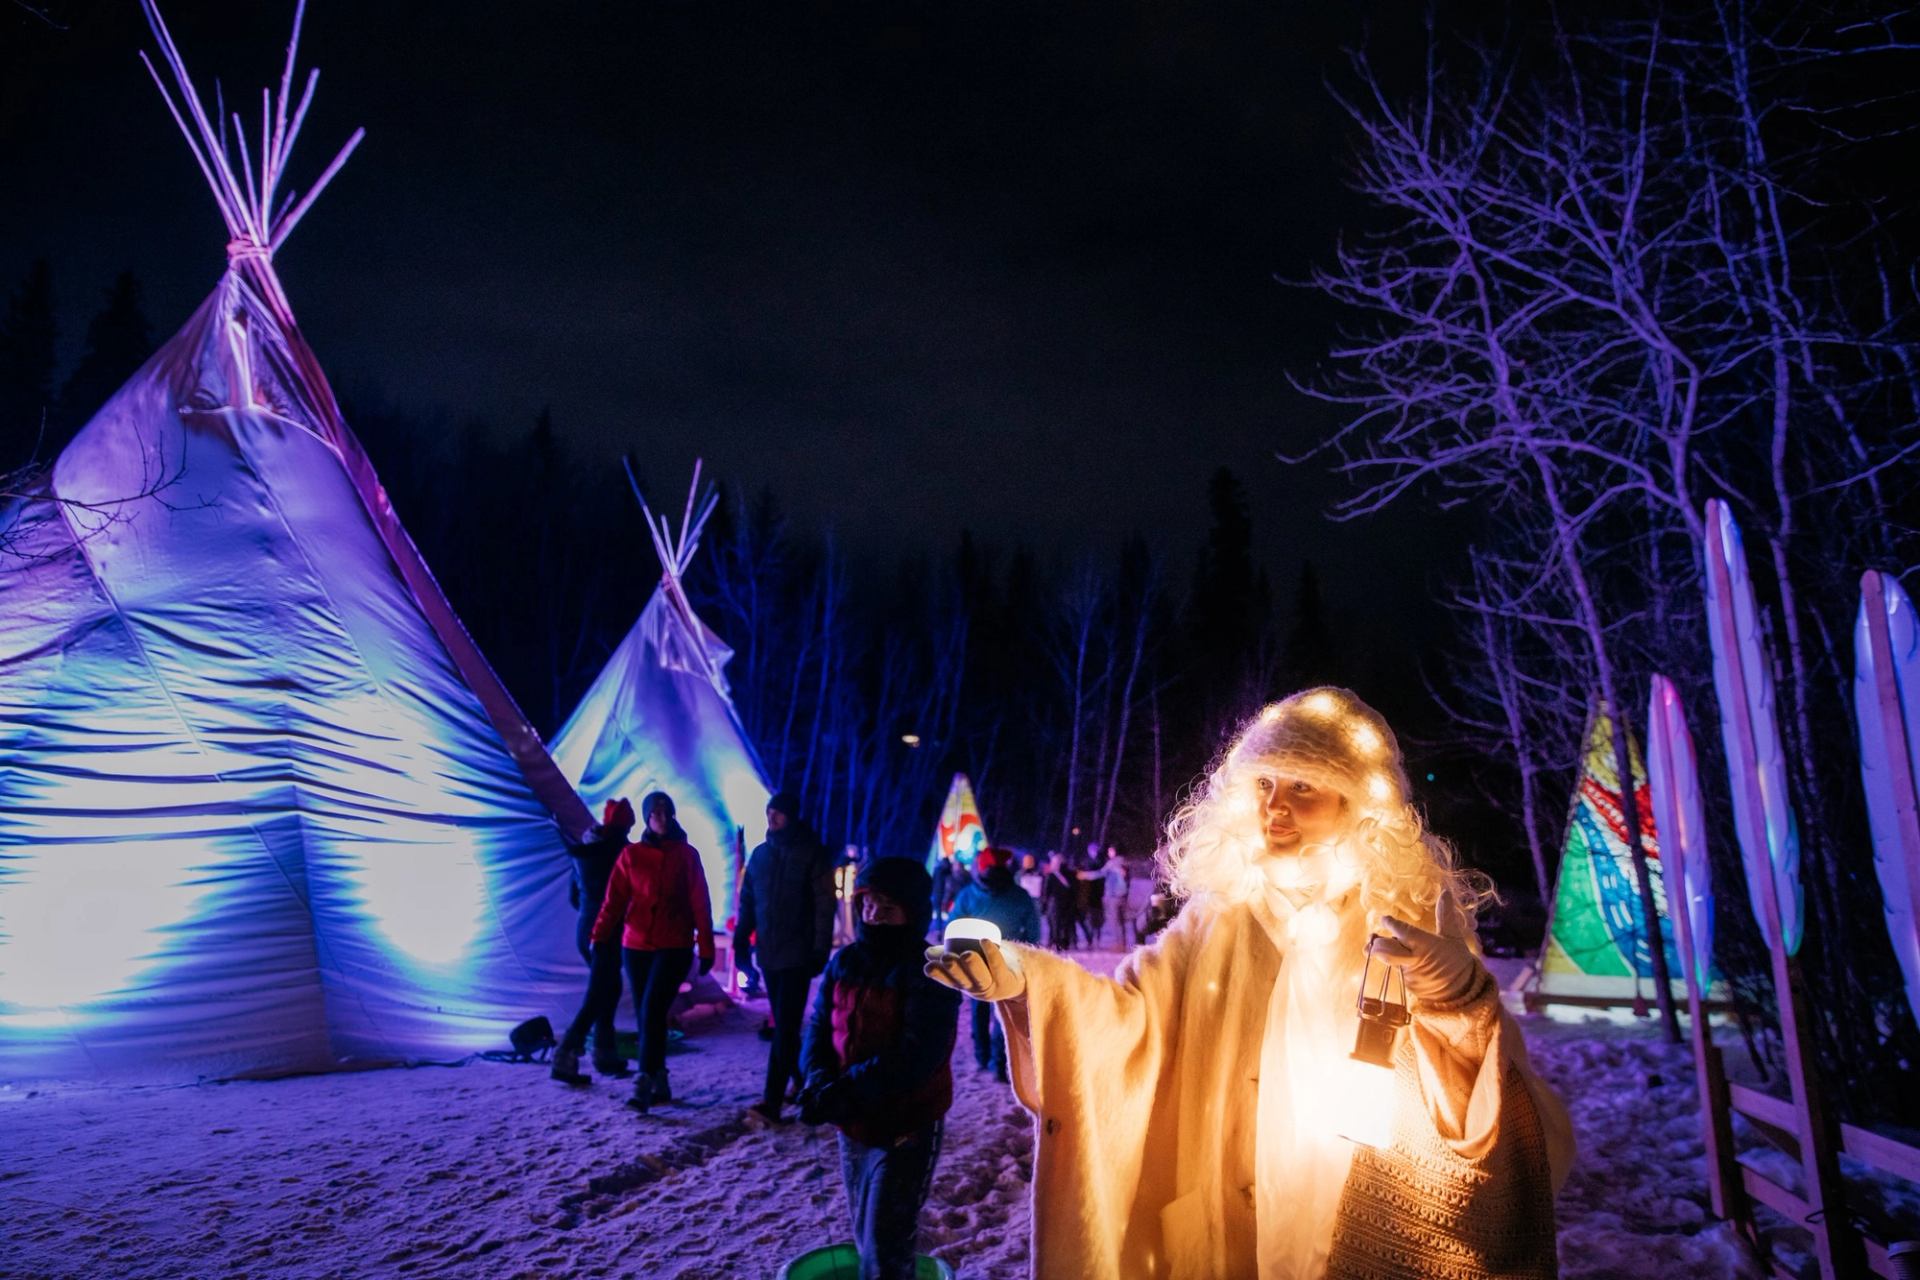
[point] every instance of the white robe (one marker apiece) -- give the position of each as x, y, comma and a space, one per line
1164, 1147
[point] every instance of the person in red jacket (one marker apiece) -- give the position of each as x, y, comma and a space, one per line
658, 910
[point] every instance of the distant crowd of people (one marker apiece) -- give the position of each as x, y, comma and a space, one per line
1077, 897
870, 1053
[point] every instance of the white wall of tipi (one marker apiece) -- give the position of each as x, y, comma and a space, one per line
263, 805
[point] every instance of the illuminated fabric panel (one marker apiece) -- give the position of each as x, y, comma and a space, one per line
254, 816
654, 720
960, 834
1597, 944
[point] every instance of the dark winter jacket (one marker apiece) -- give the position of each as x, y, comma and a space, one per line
657, 899
592, 863
879, 1041
1000, 900
786, 901
1059, 894
945, 884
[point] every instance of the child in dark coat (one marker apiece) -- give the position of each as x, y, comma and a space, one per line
876, 1064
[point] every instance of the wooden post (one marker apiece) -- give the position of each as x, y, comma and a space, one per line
1836, 1245
1724, 1185
1673, 780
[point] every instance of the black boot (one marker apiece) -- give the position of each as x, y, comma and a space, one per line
566, 1067
609, 1063
643, 1093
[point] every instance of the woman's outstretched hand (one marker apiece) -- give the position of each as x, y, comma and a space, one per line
1439, 967
983, 974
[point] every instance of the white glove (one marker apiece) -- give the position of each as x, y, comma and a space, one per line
1440, 968
981, 970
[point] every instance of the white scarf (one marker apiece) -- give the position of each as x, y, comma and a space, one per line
1301, 1161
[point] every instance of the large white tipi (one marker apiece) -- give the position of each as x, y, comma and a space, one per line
659, 717
264, 806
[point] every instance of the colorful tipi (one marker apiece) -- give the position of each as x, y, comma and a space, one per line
263, 805
1597, 950
960, 834
659, 717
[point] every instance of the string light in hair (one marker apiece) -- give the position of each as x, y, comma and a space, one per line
1321, 703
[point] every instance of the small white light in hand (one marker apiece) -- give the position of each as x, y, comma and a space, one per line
968, 932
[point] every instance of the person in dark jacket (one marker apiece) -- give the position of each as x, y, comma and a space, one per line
593, 860
994, 896
1093, 906
1059, 898
947, 874
876, 1057
786, 907
658, 912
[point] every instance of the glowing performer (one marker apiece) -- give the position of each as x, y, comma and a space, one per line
1196, 1113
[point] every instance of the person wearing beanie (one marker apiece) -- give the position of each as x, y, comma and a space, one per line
657, 913
593, 860
994, 896
1209, 1090
876, 1063
786, 909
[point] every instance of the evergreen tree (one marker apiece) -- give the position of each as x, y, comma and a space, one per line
1308, 656
119, 340
26, 367
1229, 616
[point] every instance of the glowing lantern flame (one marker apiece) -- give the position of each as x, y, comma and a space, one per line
1367, 1085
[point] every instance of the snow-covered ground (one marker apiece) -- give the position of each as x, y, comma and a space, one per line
491, 1170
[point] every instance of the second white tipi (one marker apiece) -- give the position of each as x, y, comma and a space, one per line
660, 717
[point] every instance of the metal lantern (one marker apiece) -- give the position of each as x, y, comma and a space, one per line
1361, 1096
1381, 1017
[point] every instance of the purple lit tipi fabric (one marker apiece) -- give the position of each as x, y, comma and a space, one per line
263, 806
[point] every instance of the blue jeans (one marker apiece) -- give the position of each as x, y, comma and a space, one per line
885, 1188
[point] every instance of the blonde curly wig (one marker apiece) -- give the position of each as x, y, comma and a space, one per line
1216, 849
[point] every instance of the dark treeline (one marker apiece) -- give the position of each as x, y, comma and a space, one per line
38, 413
1081, 694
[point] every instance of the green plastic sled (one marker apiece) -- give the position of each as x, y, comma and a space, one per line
842, 1262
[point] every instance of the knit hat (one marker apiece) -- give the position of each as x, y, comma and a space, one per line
906, 882
656, 800
786, 802
1330, 738
617, 815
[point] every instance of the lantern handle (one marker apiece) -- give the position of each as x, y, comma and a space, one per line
1382, 1007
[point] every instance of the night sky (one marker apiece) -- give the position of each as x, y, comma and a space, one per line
998, 266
